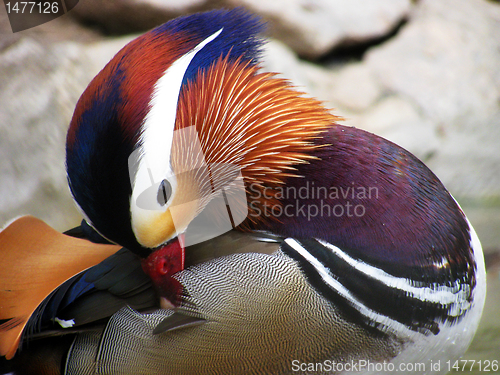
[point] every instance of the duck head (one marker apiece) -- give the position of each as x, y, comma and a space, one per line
177, 115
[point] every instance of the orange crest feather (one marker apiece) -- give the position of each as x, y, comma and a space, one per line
253, 120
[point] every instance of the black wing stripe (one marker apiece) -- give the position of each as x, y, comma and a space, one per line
373, 294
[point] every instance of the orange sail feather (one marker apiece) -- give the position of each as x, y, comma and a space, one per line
35, 259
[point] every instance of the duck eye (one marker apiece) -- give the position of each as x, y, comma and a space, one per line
164, 192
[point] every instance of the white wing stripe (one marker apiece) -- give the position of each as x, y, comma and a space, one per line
344, 292
439, 294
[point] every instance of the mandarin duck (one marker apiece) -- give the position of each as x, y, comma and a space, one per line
232, 226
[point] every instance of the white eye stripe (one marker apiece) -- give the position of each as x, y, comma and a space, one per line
150, 162
158, 126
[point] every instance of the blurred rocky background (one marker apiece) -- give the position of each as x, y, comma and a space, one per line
424, 74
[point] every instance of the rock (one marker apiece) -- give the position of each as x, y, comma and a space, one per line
126, 16
355, 87
310, 78
315, 27
312, 28
445, 63
39, 87
434, 89
445, 59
